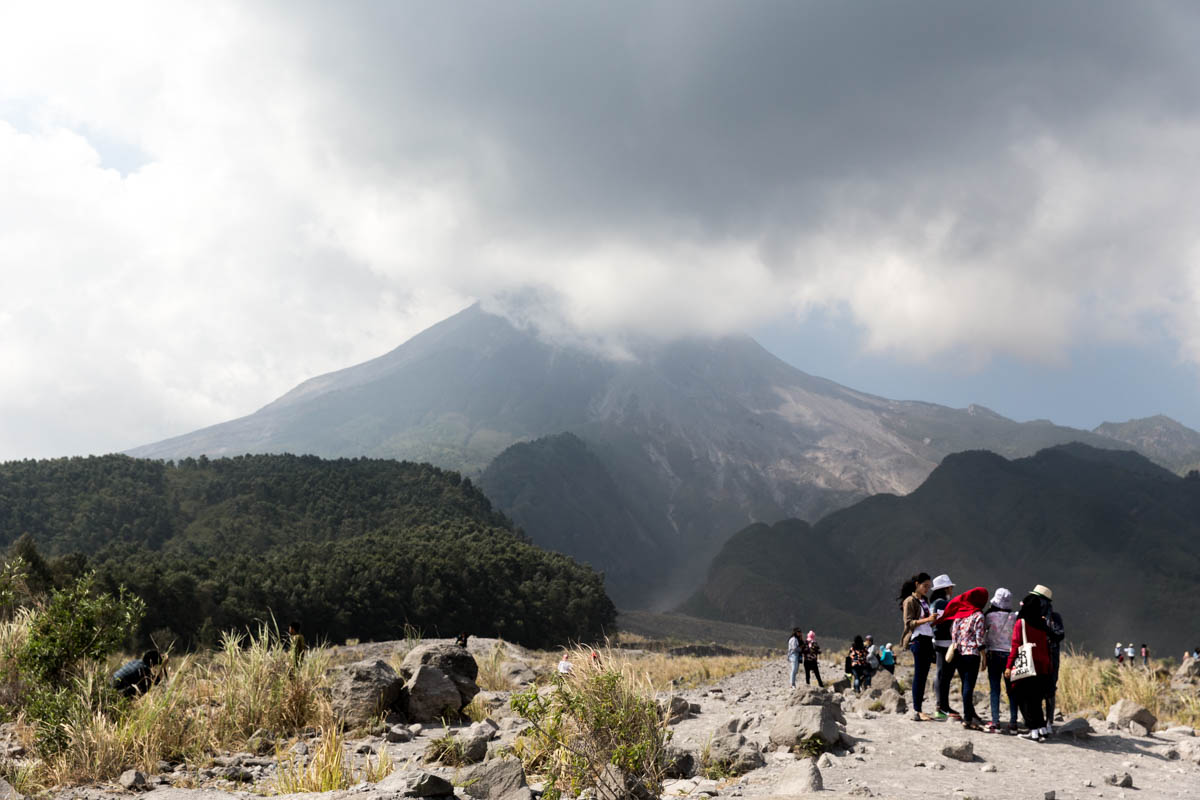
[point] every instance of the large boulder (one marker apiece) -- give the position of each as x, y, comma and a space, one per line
732, 753
799, 726
1188, 671
414, 784
432, 696
518, 674
1123, 712
455, 663
498, 779
364, 690
800, 777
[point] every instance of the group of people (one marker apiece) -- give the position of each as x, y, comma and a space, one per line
1128, 654
804, 649
866, 658
958, 634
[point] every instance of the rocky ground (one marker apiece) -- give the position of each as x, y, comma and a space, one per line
745, 723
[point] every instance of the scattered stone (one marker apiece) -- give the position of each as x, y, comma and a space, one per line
362, 691
415, 729
862, 790
708, 787
1138, 729
800, 777
236, 773
415, 784
920, 764
131, 780
616, 782
960, 750
1050, 795
299, 749
676, 710
8, 792
694, 708
398, 734
678, 762
1124, 780
365, 749
1124, 712
825, 761
734, 753
988, 768
1180, 730
936, 767
1076, 728
517, 673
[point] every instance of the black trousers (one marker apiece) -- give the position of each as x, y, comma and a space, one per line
1030, 693
812, 668
968, 671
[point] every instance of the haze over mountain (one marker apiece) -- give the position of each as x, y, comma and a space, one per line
673, 447
1161, 438
1116, 538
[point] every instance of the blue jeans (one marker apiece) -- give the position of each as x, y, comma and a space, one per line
795, 659
922, 649
995, 665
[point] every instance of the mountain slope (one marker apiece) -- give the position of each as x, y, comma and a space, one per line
1116, 537
690, 439
1161, 438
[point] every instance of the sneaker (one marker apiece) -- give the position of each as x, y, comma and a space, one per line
941, 716
1033, 736
921, 716
953, 714
991, 727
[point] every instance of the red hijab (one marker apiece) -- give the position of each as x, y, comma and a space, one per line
965, 604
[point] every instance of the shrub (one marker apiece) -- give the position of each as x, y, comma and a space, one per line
597, 715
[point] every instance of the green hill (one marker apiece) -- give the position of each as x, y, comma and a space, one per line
353, 547
1116, 537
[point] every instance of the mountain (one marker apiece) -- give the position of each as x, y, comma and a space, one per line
1168, 442
682, 441
355, 548
1116, 537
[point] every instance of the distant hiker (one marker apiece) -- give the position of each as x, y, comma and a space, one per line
1118, 653
137, 676
887, 659
858, 663
917, 637
596, 659
1145, 655
1030, 692
812, 654
1130, 654
968, 637
564, 665
1055, 633
461, 641
998, 618
942, 590
795, 653
872, 657
296, 642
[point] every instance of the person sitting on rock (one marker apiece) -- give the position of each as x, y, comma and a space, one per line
461, 641
137, 676
887, 658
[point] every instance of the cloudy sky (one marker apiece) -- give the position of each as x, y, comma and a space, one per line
202, 204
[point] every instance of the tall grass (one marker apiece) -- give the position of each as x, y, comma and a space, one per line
201, 707
1086, 682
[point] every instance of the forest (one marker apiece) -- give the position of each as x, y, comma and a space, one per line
351, 548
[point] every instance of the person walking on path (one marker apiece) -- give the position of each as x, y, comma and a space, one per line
1030, 692
942, 589
917, 618
968, 638
795, 652
858, 663
887, 658
1118, 653
998, 618
1055, 633
1145, 655
1130, 654
812, 654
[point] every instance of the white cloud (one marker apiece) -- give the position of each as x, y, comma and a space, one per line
312, 186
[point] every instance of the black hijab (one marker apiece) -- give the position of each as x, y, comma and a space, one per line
1033, 611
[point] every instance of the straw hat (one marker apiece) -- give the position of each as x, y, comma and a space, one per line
1043, 591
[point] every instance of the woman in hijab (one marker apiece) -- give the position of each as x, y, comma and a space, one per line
967, 635
1031, 691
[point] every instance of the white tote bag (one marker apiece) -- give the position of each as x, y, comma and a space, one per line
1023, 664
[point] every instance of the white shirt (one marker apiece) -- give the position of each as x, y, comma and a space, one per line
564, 667
925, 628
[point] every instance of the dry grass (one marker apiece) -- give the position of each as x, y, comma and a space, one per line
491, 673
1086, 682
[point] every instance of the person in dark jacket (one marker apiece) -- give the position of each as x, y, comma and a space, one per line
1056, 633
857, 658
1030, 692
943, 590
137, 676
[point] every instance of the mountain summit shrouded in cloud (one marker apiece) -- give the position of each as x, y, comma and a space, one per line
203, 206
640, 465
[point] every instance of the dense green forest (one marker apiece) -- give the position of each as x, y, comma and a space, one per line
352, 547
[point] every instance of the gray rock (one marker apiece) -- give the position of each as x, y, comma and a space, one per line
432, 695
734, 753
131, 780
236, 773
8, 792
1076, 728
615, 782
454, 661
1138, 729
1189, 670
893, 702
364, 690
475, 742
800, 777
499, 779
1124, 712
676, 710
1050, 795
299, 749
825, 761
1121, 779
398, 734
365, 749
988, 768
959, 750
518, 674
415, 784
678, 762
796, 725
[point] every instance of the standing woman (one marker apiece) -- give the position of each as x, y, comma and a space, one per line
1031, 691
812, 652
858, 663
795, 651
998, 620
917, 635
967, 633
